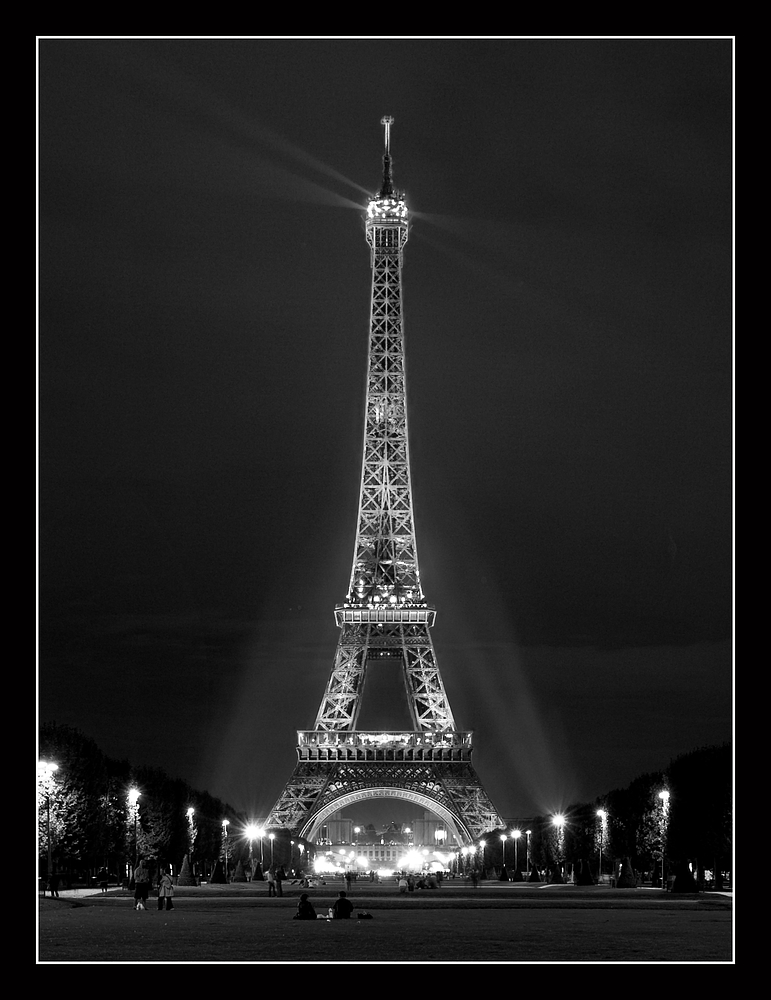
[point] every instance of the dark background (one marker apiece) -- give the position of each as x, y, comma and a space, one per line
204, 293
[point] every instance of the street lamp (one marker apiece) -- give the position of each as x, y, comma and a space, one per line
603, 816
271, 837
133, 795
46, 777
225, 824
251, 832
664, 796
261, 834
527, 851
516, 834
190, 836
483, 844
558, 821
357, 831
503, 845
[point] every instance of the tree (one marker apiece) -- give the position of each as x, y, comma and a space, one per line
186, 876
701, 808
626, 878
77, 804
92, 822
635, 818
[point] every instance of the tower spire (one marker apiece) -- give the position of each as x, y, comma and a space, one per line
387, 189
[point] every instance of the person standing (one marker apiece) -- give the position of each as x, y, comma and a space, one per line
141, 886
271, 881
53, 884
165, 890
280, 876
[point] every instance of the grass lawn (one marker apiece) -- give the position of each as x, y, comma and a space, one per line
239, 928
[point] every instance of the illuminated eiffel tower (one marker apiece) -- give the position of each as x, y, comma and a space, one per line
385, 614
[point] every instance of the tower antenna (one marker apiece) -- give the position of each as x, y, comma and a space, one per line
387, 189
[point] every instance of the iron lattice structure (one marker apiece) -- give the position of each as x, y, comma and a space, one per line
385, 613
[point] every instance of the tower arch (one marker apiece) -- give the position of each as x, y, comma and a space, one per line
456, 828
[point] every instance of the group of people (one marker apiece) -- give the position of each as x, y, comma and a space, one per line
341, 909
408, 883
142, 881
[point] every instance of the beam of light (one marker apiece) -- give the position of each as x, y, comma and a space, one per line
247, 142
525, 259
468, 259
516, 259
528, 747
522, 752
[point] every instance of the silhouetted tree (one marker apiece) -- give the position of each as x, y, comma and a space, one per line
77, 805
626, 878
186, 876
92, 823
700, 808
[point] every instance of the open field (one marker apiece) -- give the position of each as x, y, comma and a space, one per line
496, 923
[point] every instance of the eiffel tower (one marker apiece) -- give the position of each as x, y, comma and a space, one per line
385, 614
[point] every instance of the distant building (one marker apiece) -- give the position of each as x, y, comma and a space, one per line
345, 844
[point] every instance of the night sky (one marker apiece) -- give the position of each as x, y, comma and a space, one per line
204, 287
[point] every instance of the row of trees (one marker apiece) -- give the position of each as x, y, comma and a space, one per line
678, 819
94, 824
89, 812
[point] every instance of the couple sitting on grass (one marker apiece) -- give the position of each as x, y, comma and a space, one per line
342, 909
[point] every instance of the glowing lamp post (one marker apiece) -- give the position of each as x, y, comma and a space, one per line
46, 773
271, 837
664, 796
603, 817
252, 833
558, 822
190, 836
516, 834
503, 847
261, 834
134, 802
225, 824
527, 851
482, 845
